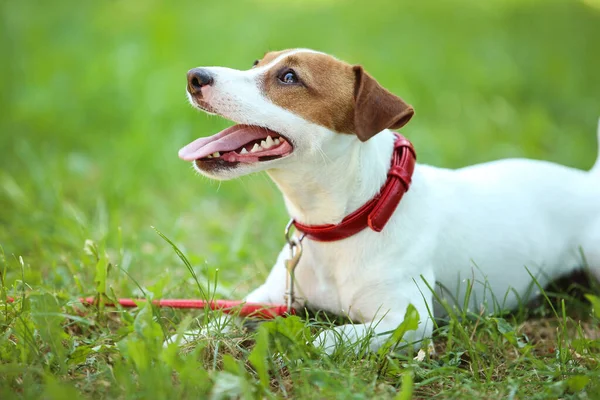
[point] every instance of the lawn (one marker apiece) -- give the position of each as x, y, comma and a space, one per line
93, 112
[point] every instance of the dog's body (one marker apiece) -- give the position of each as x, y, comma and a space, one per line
492, 226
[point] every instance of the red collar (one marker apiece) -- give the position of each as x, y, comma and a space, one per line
377, 211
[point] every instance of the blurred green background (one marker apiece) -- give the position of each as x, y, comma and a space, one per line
93, 112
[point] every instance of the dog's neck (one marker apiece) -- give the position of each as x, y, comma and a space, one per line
324, 190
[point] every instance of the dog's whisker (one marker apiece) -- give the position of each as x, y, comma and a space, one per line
326, 159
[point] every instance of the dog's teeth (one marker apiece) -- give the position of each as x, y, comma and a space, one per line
209, 156
256, 148
216, 154
269, 143
263, 144
244, 151
276, 141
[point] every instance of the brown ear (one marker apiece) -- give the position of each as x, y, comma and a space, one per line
376, 109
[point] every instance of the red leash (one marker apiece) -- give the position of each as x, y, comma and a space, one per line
237, 307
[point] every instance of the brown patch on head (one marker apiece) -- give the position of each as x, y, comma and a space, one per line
324, 92
333, 94
268, 57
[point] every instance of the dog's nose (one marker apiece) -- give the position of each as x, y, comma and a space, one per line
197, 78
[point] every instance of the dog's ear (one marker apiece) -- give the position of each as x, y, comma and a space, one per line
375, 108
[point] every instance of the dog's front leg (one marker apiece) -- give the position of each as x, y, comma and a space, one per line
379, 325
375, 332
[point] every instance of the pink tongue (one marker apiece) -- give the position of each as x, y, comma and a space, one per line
230, 139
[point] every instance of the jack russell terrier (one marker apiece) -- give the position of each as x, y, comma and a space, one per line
320, 128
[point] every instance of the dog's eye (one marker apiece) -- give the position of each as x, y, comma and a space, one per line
255, 63
288, 76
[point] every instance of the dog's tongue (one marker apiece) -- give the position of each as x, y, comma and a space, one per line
230, 139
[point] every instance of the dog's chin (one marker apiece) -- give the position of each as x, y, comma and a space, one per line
222, 170
201, 105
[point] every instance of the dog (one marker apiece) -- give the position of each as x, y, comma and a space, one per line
322, 130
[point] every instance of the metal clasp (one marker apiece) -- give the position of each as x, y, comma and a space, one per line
295, 246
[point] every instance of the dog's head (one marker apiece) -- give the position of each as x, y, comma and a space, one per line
291, 105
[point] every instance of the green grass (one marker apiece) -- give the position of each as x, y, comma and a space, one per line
92, 115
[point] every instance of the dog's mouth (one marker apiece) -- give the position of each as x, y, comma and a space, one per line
204, 106
237, 144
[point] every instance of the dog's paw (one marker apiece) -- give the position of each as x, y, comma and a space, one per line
358, 339
340, 337
326, 341
184, 338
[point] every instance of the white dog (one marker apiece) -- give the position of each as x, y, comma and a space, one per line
319, 127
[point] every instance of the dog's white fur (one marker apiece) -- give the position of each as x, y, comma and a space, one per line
489, 225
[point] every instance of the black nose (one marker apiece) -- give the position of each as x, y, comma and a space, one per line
197, 78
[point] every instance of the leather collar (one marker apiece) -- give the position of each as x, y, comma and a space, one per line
377, 211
